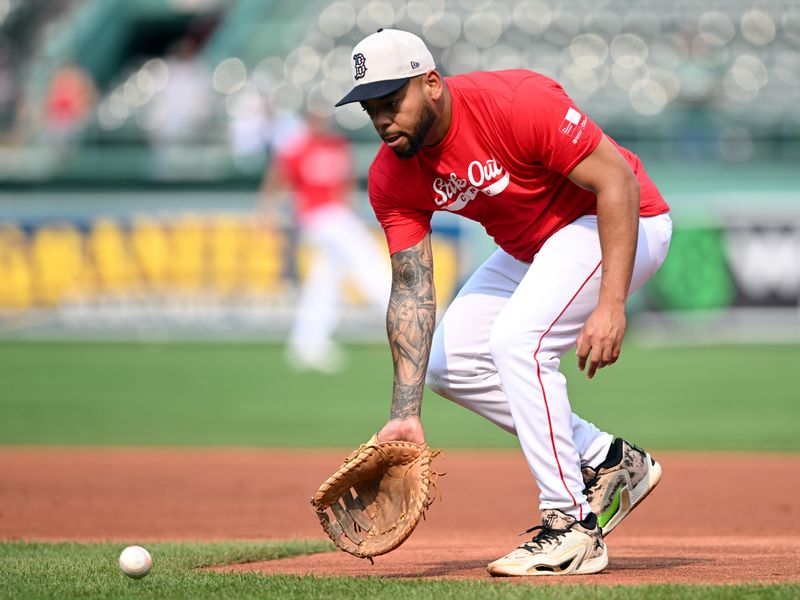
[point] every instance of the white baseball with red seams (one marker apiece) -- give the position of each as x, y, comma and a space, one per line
135, 562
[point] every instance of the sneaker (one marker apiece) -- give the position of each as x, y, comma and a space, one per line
562, 546
617, 485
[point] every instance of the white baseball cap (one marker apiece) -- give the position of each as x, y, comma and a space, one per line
384, 61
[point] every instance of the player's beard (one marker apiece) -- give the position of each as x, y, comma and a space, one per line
418, 134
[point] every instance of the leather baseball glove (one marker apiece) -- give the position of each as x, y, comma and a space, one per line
374, 501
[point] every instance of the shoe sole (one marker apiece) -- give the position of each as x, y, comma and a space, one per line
587, 567
630, 499
594, 565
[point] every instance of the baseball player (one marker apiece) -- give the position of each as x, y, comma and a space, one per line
315, 162
579, 225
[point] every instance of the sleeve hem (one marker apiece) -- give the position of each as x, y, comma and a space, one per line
588, 149
410, 241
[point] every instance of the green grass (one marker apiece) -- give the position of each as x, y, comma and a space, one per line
738, 398
68, 570
719, 397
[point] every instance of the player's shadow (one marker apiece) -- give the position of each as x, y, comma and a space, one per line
450, 568
647, 563
472, 568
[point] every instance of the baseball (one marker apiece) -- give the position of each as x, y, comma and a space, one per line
135, 562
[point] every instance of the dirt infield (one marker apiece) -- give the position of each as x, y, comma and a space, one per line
713, 519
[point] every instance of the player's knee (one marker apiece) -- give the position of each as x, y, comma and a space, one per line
436, 382
450, 372
436, 376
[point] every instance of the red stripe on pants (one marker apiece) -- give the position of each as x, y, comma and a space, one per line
544, 393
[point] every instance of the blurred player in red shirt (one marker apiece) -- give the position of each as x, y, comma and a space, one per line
315, 163
579, 225
71, 97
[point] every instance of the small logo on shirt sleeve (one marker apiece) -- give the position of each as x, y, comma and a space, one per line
573, 125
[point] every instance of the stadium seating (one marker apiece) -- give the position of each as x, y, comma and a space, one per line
711, 79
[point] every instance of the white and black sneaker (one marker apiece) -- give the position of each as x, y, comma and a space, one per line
617, 485
562, 546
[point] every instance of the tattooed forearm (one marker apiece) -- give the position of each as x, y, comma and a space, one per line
406, 401
409, 323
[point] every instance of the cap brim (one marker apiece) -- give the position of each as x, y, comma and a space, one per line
376, 89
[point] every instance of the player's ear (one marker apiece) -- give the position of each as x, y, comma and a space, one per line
434, 83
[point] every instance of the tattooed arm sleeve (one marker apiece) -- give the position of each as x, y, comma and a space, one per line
410, 320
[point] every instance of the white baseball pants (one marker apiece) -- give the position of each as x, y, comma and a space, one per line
497, 349
344, 248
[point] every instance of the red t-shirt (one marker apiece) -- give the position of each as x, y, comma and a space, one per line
514, 138
319, 170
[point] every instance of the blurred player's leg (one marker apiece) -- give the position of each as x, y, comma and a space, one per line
361, 256
310, 344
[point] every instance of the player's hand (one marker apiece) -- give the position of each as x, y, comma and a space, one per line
600, 339
409, 430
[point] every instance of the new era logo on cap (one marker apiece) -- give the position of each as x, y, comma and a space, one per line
384, 61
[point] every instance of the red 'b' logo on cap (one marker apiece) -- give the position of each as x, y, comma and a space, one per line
360, 65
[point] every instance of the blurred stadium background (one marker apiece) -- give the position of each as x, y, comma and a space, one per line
134, 136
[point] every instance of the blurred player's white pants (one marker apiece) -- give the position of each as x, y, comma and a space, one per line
497, 349
344, 248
